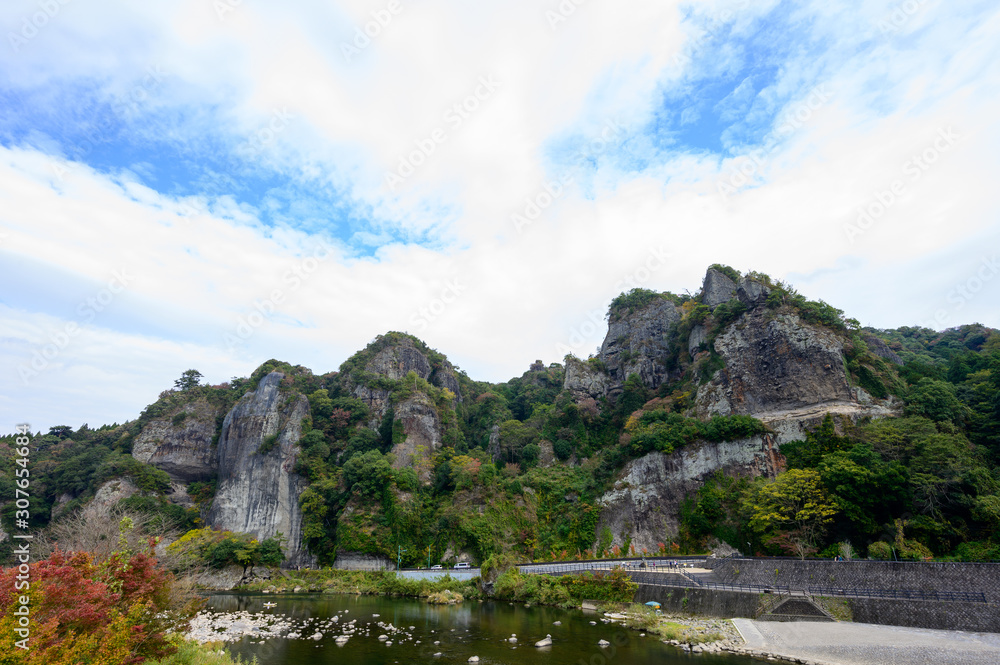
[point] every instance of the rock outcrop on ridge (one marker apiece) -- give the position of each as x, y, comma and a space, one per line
181, 444
258, 491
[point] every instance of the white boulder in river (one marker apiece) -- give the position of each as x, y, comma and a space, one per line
547, 642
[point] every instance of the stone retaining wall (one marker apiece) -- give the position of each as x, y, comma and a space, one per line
964, 577
882, 575
704, 602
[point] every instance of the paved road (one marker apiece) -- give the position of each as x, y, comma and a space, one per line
867, 644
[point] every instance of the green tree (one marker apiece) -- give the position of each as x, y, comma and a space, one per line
795, 504
367, 474
936, 400
189, 379
514, 437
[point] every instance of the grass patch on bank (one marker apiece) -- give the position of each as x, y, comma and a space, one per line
192, 653
566, 591
645, 619
365, 583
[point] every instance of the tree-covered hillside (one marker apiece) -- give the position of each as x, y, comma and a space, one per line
521, 467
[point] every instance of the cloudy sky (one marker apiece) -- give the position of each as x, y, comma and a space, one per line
211, 183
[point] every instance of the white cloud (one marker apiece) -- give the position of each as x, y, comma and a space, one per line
491, 298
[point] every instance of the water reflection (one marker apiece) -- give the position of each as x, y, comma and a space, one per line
468, 629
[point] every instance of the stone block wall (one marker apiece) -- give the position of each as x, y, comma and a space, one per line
887, 575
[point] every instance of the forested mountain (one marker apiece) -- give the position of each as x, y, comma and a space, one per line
745, 414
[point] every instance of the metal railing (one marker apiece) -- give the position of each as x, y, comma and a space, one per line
902, 594
681, 579
667, 565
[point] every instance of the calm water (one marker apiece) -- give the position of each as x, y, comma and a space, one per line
469, 629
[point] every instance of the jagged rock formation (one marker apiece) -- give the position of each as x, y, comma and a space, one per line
774, 363
717, 288
258, 492
752, 292
644, 503
109, 494
775, 367
585, 380
697, 338
638, 343
881, 349
395, 362
422, 427
184, 450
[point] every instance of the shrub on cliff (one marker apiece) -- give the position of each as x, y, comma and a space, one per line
219, 548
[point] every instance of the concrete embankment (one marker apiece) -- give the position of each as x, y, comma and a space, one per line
867, 644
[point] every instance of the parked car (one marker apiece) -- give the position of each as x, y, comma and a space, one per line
437, 567
462, 564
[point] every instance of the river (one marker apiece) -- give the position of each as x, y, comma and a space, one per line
461, 631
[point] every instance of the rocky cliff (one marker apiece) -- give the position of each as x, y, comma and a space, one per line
644, 504
773, 365
422, 429
639, 343
180, 442
717, 288
258, 492
394, 362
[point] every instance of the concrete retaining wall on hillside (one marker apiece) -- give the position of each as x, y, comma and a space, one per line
705, 602
965, 577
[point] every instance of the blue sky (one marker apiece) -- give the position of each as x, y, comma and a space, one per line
209, 185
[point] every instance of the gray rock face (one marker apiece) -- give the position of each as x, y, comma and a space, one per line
644, 504
881, 349
258, 493
717, 288
395, 362
699, 335
583, 380
109, 494
493, 448
60, 505
774, 363
751, 292
638, 343
423, 436
185, 450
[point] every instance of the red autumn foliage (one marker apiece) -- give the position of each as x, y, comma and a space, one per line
123, 605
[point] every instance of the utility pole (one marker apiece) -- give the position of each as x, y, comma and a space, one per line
399, 555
